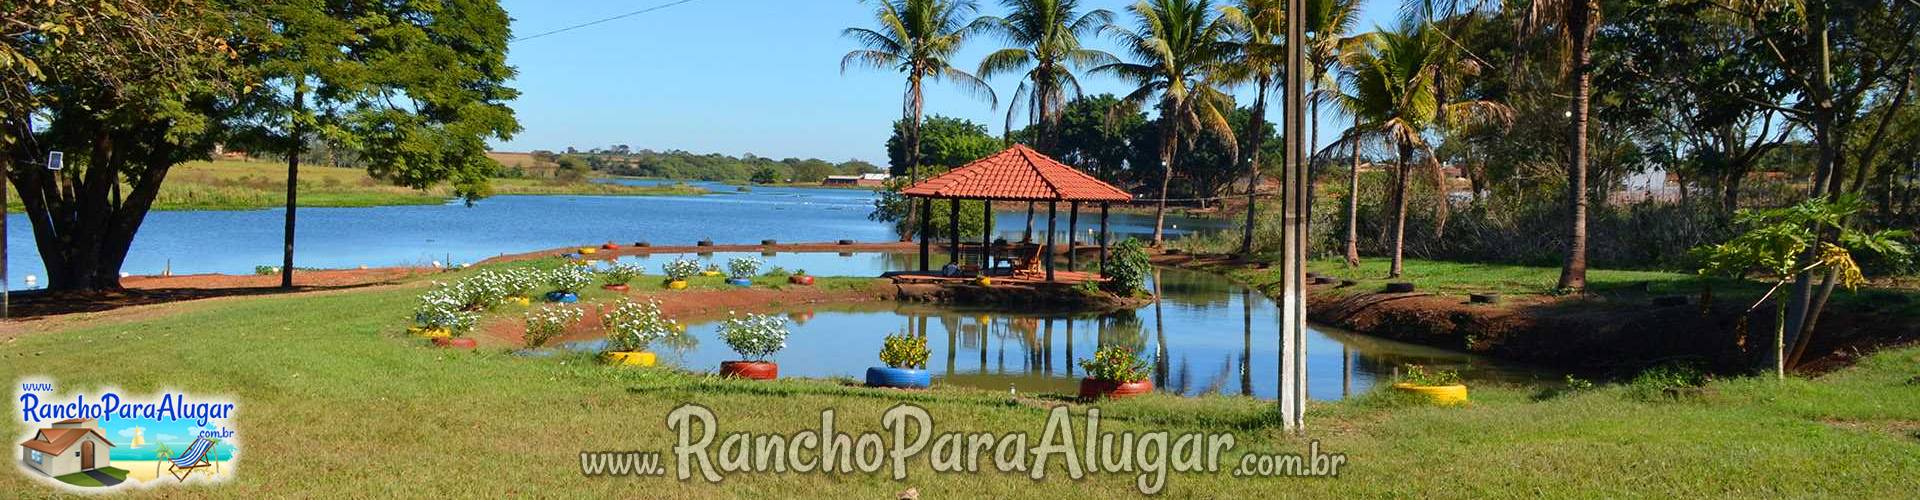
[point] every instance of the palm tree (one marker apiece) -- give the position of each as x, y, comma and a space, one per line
1328, 22
1393, 92
919, 38
1177, 47
1044, 42
1258, 27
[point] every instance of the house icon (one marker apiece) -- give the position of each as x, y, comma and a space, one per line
69, 446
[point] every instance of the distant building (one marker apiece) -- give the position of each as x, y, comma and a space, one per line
863, 180
71, 445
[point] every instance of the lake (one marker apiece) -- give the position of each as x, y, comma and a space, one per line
1209, 334
235, 242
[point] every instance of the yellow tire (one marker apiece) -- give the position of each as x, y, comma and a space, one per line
1437, 394
641, 358
588, 250
677, 284
430, 333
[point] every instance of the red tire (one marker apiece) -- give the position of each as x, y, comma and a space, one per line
751, 370
1097, 389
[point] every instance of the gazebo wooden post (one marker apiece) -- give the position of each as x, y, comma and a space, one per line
1103, 237
1027, 237
953, 231
926, 232
1073, 234
986, 236
1053, 212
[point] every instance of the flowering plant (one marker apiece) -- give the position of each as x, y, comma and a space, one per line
902, 350
680, 269
570, 278
743, 267
1115, 363
518, 282
620, 274
441, 308
632, 326
547, 322
755, 336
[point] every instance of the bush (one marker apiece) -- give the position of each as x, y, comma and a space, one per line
778, 272
1127, 268
620, 274
547, 322
1421, 375
570, 278
680, 269
902, 350
633, 326
440, 308
755, 336
1115, 363
743, 267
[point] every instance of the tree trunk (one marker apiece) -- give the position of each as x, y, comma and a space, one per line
294, 146
1166, 175
1256, 126
81, 232
1573, 275
1400, 179
1353, 205
914, 109
1826, 170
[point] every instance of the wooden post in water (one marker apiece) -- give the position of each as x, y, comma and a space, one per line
1073, 234
986, 236
1053, 212
1293, 213
1103, 237
953, 231
926, 232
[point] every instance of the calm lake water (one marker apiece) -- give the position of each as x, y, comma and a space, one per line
237, 241
1212, 336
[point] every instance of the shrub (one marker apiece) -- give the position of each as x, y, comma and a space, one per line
904, 350
1421, 375
1127, 268
1115, 363
620, 274
778, 272
799, 272
520, 282
755, 336
743, 267
632, 326
570, 278
681, 269
440, 308
547, 322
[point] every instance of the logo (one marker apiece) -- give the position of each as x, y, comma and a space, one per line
105, 439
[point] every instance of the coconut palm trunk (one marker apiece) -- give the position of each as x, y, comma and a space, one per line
1353, 205
1573, 275
915, 107
1400, 179
1167, 138
1256, 124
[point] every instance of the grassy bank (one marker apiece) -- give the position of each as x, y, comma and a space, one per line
246, 185
335, 401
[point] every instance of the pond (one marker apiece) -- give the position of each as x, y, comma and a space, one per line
234, 242
1209, 336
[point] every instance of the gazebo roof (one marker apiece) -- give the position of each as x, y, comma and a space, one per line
1019, 174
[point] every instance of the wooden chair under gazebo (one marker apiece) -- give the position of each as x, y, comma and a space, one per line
1017, 174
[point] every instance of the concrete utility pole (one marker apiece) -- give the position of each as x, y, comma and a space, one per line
1293, 212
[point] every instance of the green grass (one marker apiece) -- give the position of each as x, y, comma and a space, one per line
82, 479
247, 185
337, 401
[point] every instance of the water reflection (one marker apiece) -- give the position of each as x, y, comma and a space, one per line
1207, 336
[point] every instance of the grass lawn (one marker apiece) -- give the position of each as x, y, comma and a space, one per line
336, 401
82, 479
250, 184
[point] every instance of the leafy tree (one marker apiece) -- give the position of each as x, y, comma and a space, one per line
765, 175
945, 142
1093, 136
919, 38
948, 143
1177, 49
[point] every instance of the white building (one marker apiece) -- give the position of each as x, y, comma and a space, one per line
70, 446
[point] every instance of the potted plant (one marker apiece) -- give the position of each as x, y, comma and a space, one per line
754, 336
903, 354
678, 270
618, 275
547, 322
440, 316
519, 284
1114, 372
631, 328
740, 270
1436, 386
567, 281
712, 270
800, 277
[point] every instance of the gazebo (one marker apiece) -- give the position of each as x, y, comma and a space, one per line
1016, 174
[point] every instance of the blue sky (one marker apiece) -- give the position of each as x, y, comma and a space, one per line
737, 76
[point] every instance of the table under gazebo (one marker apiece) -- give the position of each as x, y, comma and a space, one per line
1017, 174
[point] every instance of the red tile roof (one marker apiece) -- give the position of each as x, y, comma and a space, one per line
57, 441
1019, 174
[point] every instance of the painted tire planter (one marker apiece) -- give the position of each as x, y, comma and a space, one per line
617, 288
677, 285
631, 358
751, 370
429, 333
739, 281
455, 343
711, 273
563, 297
984, 281
1437, 394
520, 301
899, 378
588, 250
610, 246
800, 280
1111, 389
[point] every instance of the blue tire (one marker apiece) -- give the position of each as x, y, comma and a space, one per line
562, 297
739, 281
904, 378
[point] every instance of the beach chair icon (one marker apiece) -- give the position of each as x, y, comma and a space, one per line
193, 459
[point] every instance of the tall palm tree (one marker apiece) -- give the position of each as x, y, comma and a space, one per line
1044, 44
1177, 48
918, 38
1328, 22
1258, 28
1393, 92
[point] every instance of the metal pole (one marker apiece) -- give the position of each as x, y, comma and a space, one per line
1293, 212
